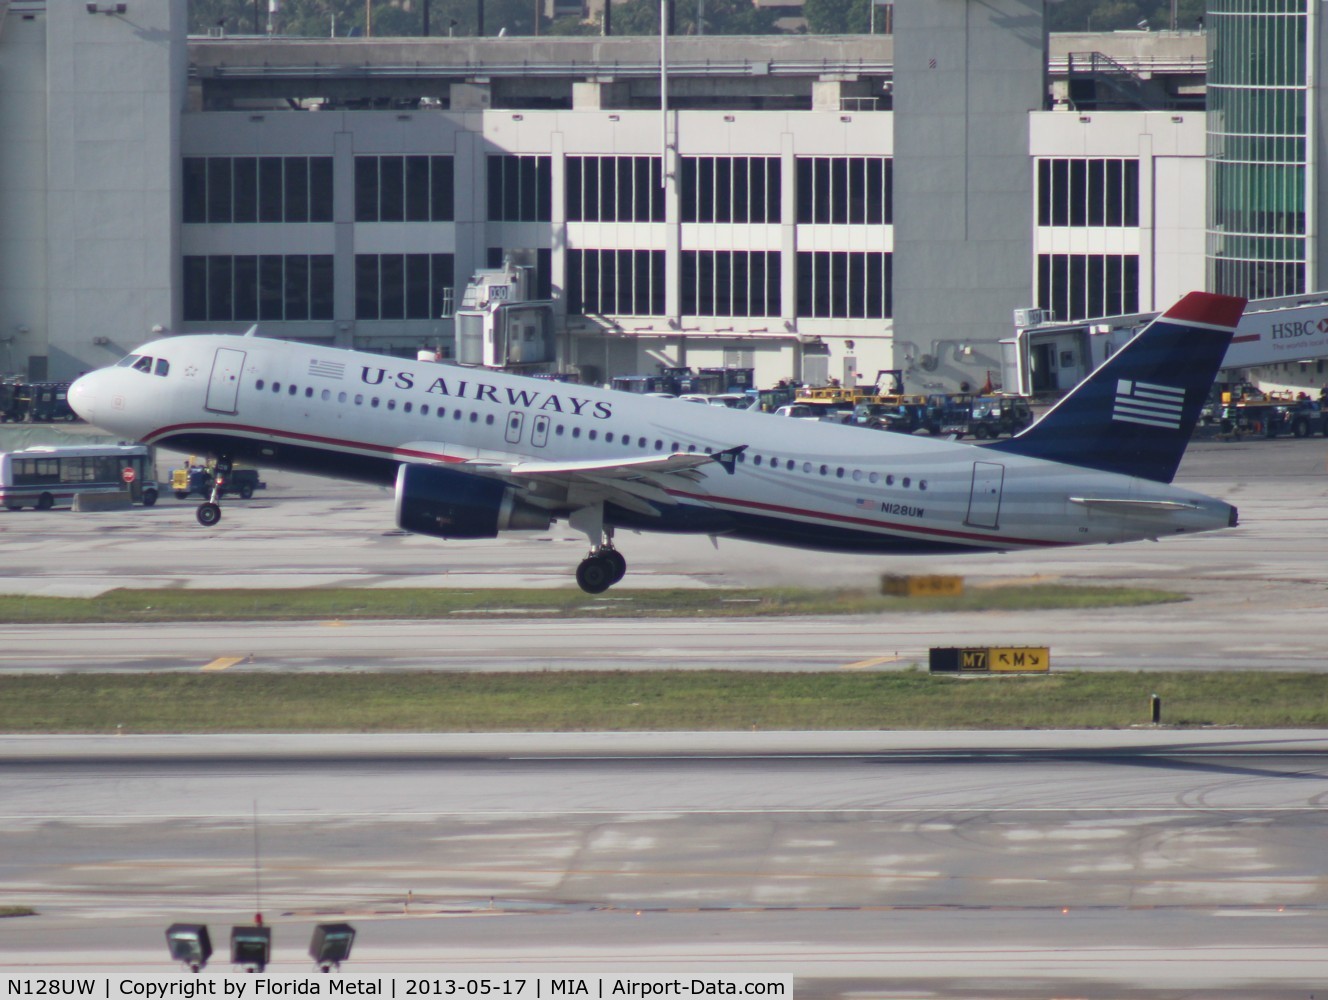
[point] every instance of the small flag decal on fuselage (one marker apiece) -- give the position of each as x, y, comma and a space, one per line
1148, 403
327, 369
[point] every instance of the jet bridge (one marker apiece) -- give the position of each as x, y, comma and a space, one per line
1047, 358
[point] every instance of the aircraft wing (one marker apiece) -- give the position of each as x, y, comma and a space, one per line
633, 483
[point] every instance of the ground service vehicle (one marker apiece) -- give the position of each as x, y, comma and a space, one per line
949, 413
35, 402
48, 477
1273, 415
198, 479
994, 416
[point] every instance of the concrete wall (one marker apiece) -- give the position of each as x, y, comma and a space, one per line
23, 326
115, 87
1169, 239
964, 85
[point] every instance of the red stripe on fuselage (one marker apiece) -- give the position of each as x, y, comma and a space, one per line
751, 505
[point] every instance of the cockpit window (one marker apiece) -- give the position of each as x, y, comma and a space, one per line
143, 364
163, 367
126, 361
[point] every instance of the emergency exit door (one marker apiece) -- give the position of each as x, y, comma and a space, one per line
224, 385
984, 502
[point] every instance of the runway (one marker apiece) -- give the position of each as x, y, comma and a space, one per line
981, 864
1106, 865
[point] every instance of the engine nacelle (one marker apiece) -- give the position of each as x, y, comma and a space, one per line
432, 500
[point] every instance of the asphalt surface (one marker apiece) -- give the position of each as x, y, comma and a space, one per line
965, 865
1124, 864
1257, 591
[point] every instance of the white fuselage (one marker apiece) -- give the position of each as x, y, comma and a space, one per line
358, 416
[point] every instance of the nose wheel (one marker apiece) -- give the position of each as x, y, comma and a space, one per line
209, 512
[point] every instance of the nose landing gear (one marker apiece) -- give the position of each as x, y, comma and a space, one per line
209, 512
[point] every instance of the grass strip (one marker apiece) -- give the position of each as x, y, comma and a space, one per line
656, 700
293, 604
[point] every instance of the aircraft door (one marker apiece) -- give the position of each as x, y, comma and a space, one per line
516, 422
539, 431
984, 502
224, 385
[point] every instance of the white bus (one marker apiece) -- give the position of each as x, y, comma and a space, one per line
46, 477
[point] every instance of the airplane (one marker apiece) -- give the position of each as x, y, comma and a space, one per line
475, 452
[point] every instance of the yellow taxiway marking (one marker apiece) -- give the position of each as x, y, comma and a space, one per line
222, 662
875, 661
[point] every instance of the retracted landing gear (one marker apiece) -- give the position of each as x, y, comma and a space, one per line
605, 565
209, 512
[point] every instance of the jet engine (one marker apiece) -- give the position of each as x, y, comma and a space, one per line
433, 500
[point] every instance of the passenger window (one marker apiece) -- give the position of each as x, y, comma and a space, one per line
489, 420
341, 397
593, 434
259, 384
576, 432
327, 394
608, 436
406, 407
276, 387
292, 391
391, 404
359, 399
163, 367
374, 402
309, 392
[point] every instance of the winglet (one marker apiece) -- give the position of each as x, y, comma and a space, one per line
252, 331
1134, 415
728, 458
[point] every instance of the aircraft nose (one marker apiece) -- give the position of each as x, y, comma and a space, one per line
83, 397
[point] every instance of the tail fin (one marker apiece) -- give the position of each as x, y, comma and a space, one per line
1135, 414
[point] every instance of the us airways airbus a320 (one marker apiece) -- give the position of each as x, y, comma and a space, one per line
474, 452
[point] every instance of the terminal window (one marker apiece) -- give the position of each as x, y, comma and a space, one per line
845, 190
614, 189
1079, 286
1088, 192
245, 189
402, 286
615, 282
730, 283
730, 189
841, 284
520, 188
254, 287
404, 189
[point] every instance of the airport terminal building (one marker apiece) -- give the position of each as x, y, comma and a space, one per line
813, 207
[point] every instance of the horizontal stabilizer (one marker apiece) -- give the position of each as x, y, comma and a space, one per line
1125, 506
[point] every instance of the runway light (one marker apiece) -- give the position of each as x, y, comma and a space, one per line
189, 944
251, 946
330, 945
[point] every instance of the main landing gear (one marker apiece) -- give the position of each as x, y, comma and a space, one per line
209, 512
605, 565
600, 570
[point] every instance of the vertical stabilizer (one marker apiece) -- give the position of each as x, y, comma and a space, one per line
1135, 414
